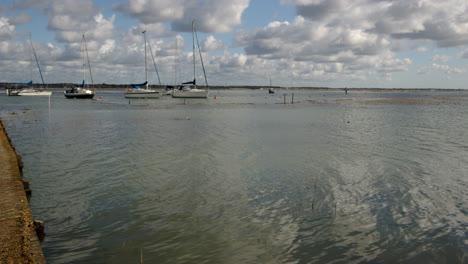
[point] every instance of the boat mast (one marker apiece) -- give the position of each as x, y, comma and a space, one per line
83, 55
89, 63
146, 68
201, 57
154, 63
37, 61
30, 56
193, 48
176, 61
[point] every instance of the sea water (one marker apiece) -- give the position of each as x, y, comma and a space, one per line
363, 177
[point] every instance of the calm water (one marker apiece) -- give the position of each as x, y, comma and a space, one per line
368, 177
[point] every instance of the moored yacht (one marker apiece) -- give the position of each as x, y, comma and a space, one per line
189, 89
82, 91
136, 90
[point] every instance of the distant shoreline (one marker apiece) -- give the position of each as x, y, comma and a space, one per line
62, 86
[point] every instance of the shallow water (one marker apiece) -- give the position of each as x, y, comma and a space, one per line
378, 177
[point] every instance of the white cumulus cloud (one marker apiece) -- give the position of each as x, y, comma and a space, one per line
153, 11
441, 58
213, 16
6, 29
211, 43
441, 68
70, 19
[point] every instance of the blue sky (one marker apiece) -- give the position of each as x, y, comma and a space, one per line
332, 43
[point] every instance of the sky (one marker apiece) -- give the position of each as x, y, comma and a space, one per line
293, 43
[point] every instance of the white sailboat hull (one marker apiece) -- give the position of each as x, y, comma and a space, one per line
34, 93
190, 94
143, 93
12, 92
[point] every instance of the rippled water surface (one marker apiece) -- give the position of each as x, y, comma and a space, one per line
367, 177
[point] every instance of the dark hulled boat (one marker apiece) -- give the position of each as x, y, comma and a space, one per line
82, 91
79, 92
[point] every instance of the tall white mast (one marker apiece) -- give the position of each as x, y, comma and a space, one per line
30, 56
193, 48
146, 68
176, 62
87, 60
83, 54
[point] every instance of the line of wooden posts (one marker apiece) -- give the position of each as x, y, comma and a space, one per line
292, 98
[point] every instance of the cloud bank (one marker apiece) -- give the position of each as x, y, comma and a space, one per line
212, 16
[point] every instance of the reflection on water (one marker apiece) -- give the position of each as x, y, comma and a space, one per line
333, 178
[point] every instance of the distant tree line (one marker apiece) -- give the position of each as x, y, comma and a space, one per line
123, 86
4, 85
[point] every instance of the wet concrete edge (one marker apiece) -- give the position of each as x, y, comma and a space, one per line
19, 242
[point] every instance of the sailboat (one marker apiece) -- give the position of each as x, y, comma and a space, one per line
171, 88
189, 89
82, 91
136, 91
30, 91
270, 90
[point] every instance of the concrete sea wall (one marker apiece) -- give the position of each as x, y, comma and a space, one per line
19, 242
